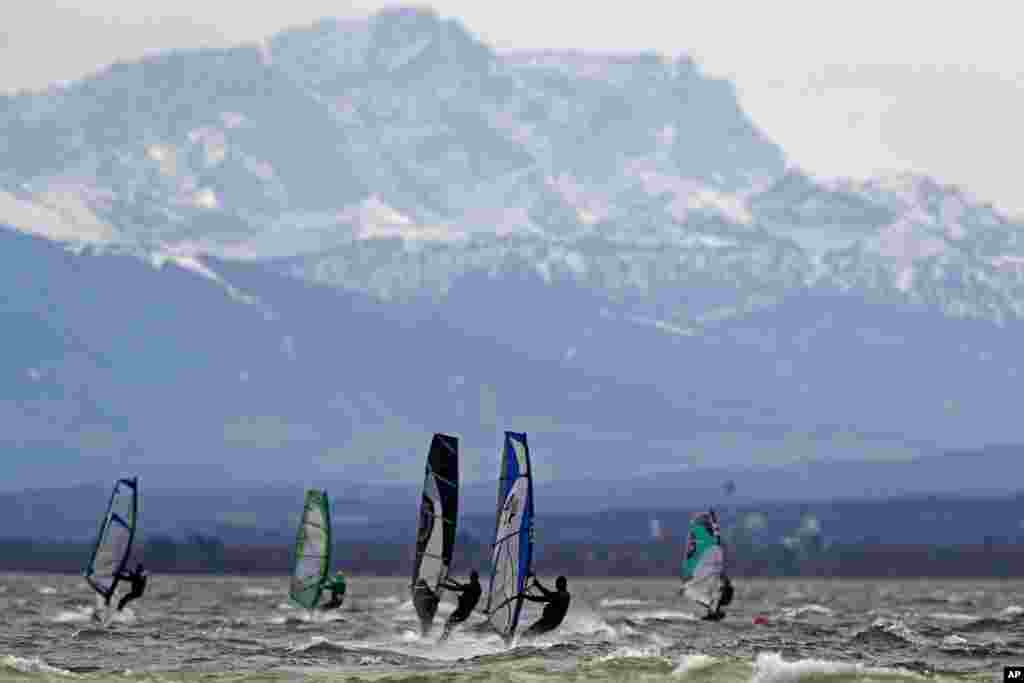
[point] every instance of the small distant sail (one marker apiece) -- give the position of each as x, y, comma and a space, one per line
312, 553
114, 539
435, 537
704, 562
512, 553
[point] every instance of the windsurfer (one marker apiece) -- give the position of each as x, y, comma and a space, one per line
337, 588
725, 597
469, 596
137, 579
556, 604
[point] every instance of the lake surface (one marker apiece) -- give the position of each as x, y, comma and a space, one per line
204, 628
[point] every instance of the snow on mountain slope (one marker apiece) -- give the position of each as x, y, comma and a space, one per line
398, 154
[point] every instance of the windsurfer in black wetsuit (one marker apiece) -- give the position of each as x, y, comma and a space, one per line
469, 595
556, 604
137, 579
725, 597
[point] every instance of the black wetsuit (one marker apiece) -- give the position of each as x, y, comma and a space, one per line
727, 592
469, 596
337, 598
138, 581
725, 597
557, 604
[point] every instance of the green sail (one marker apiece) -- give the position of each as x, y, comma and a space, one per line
704, 562
312, 553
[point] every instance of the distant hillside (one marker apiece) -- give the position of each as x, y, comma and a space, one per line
881, 502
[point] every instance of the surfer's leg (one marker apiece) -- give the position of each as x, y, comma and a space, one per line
539, 627
128, 598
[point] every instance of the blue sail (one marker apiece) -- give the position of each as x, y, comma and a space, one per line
512, 552
114, 538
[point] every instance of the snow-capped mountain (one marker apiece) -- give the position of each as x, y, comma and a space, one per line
617, 217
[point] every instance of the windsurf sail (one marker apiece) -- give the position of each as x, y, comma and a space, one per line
704, 563
114, 539
512, 553
435, 537
312, 553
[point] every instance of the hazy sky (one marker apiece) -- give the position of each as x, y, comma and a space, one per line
853, 88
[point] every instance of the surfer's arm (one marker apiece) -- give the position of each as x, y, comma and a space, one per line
547, 593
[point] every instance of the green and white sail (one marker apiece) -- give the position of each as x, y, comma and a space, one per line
113, 542
704, 563
312, 553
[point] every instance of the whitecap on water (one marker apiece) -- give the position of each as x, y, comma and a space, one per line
772, 668
897, 628
623, 602
30, 665
662, 615
631, 653
1012, 611
803, 610
83, 614
690, 663
952, 616
257, 592
47, 590
389, 600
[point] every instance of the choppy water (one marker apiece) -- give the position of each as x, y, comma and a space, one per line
231, 629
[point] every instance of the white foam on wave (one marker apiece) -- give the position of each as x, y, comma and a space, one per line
30, 665
663, 615
257, 592
623, 602
897, 628
690, 663
389, 600
47, 590
631, 653
770, 667
954, 640
313, 642
307, 617
952, 616
461, 645
802, 610
1012, 611
90, 614
408, 607
71, 617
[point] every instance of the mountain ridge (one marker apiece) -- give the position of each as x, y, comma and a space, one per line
357, 233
